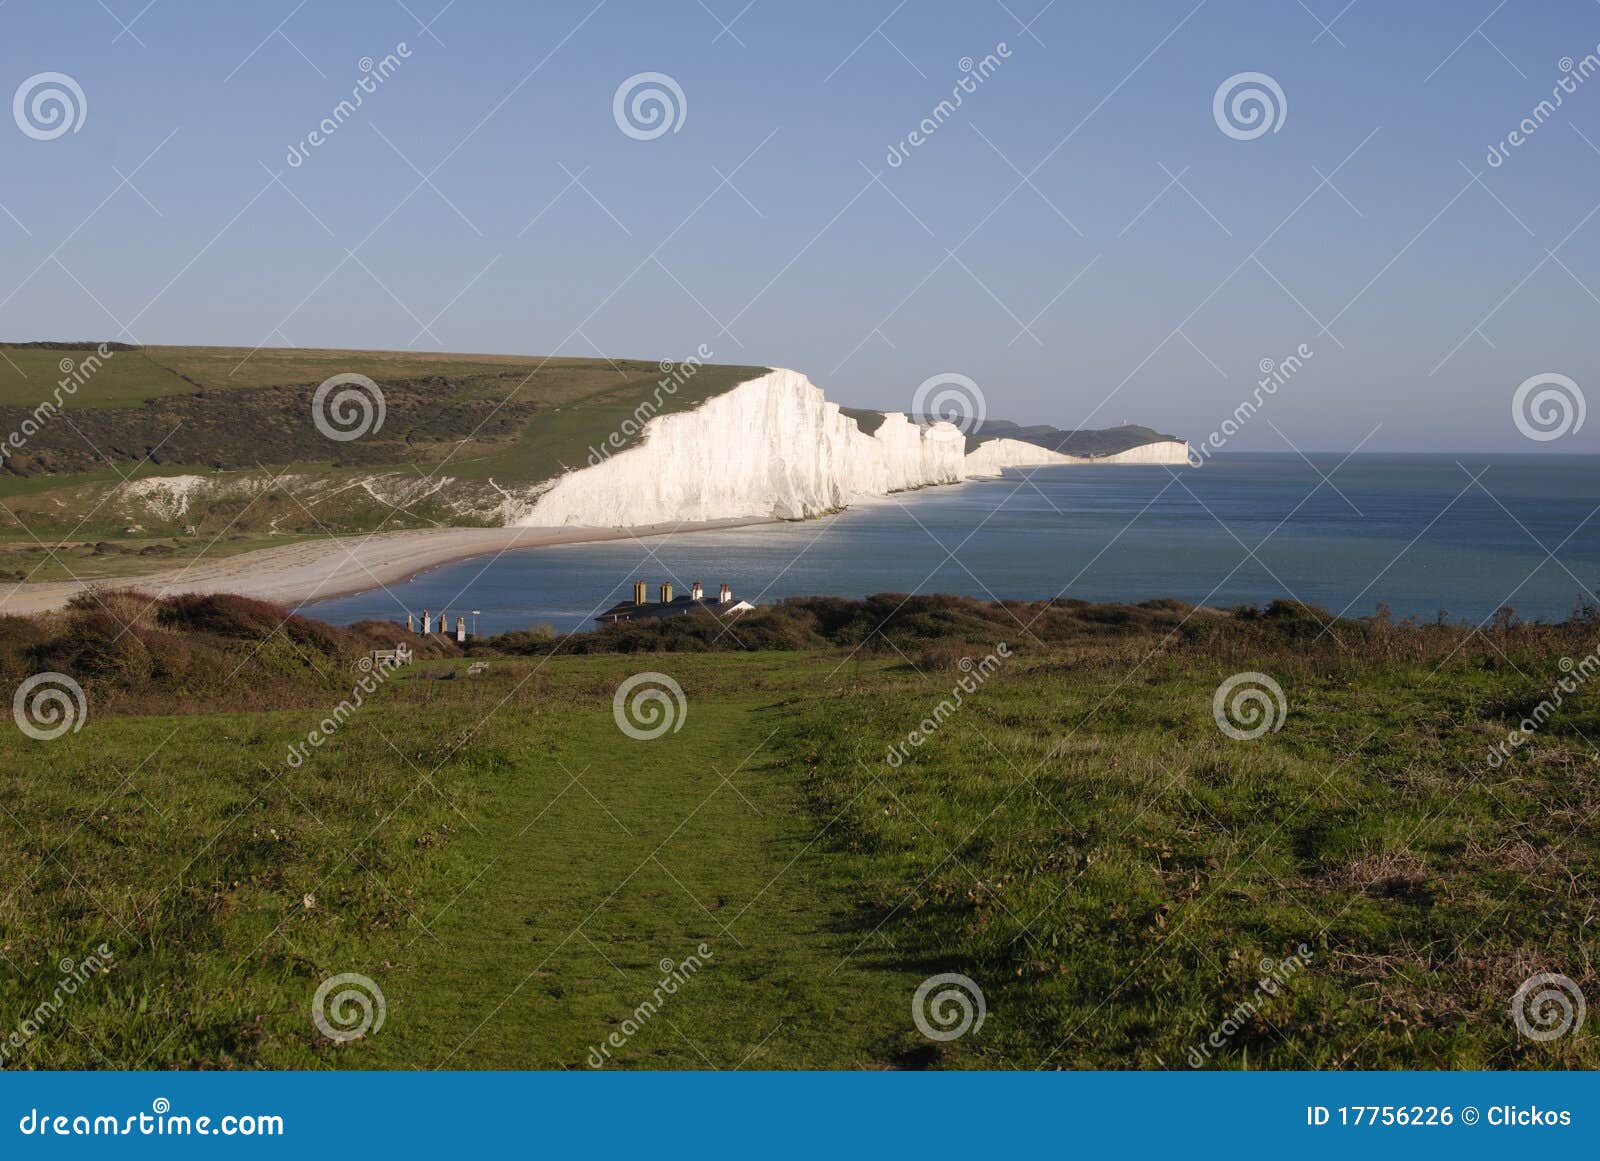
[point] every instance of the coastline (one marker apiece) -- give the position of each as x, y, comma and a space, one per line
337, 566
772, 443
315, 570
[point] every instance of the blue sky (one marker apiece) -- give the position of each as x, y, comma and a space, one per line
1080, 237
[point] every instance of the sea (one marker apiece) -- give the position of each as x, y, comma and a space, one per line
1428, 536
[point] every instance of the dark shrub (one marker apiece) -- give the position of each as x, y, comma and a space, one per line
95, 644
220, 613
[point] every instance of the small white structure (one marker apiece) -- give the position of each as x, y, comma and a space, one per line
639, 609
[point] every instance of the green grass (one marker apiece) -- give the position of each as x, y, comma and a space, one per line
121, 558
236, 368
30, 375
596, 857
1079, 839
131, 376
512, 914
1113, 870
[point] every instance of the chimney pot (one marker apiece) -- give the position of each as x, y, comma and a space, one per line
638, 592
724, 595
666, 592
697, 592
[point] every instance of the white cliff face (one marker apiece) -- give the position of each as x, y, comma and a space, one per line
992, 457
774, 448
771, 448
1166, 451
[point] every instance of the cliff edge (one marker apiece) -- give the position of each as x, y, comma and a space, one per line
773, 448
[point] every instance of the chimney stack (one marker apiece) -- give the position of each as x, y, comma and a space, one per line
697, 592
666, 592
724, 595
638, 592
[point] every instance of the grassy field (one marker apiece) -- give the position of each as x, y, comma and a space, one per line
1077, 836
230, 408
128, 378
123, 557
237, 428
513, 899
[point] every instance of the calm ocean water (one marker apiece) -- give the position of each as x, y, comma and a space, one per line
1413, 531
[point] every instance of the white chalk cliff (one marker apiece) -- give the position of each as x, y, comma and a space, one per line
1165, 451
774, 448
992, 457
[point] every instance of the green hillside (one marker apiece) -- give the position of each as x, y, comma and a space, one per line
234, 431
1085, 442
1112, 871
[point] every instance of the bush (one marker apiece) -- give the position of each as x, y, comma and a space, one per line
883, 621
96, 645
221, 613
134, 652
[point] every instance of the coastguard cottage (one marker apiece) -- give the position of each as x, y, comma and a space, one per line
639, 609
